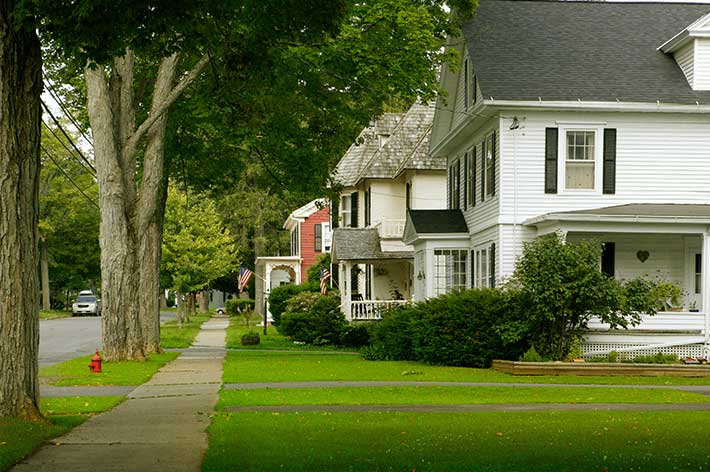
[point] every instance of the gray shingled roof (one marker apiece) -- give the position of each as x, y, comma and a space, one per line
437, 221
409, 132
351, 164
593, 51
634, 211
362, 244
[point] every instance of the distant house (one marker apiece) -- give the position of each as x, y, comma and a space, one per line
311, 237
591, 119
385, 172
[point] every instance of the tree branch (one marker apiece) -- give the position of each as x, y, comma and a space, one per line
175, 93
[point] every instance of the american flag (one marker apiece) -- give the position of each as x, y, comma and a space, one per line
324, 277
244, 277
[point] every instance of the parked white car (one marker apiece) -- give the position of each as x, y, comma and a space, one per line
86, 305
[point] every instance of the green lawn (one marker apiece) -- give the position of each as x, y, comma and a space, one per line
76, 371
244, 367
562, 441
273, 340
452, 395
20, 438
172, 336
53, 314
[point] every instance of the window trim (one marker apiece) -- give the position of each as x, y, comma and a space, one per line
448, 285
345, 210
562, 159
482, 279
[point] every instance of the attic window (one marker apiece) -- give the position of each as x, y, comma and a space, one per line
382, 140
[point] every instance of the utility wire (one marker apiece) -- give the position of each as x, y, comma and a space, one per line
69, 151
60, 102
71, 141
68, 177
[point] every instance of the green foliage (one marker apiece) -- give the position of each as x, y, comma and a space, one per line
613, 356
561, 288
467, 328
250, 338
657, 358
314, 270
317, 321
196, 247
237, 306
667, 295
531, 355
279, 297
355, 335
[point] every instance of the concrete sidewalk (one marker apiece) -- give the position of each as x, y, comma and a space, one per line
162, 425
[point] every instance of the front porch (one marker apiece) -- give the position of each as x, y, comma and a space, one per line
658, 242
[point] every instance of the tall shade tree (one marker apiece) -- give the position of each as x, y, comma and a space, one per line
20, 90
300, 58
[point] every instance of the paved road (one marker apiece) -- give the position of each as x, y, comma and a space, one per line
66, 338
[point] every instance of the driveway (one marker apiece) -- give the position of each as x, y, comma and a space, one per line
66, 338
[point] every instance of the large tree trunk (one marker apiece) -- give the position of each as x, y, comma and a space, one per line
205, 301
151, 210
44, 270
122, 334
20, 90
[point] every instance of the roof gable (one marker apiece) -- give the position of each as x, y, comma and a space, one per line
577, 50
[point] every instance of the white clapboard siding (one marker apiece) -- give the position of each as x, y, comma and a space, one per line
661, 158
664, 321
702, 64
685, 59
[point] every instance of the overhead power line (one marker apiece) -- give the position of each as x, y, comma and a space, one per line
57, 98
91, 200
69, 150
66, 135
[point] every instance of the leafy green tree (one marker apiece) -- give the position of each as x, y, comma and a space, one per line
197, 249
68, 221
563, 287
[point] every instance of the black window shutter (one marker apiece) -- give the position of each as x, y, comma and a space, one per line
608, 259
449, 185
318, 237
492, 259
457, 195
334, 214
484, 150
493, 163
474, 87
353, 210
473, 177
609, 185
465, 181
551, 160
465, 84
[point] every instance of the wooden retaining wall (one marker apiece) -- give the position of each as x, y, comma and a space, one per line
601, 369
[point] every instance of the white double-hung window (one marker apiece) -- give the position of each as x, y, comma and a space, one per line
449, 270
580, 168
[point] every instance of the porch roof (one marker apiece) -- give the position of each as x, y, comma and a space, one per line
362, 244
632, 213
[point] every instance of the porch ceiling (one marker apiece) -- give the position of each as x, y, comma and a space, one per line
631, 213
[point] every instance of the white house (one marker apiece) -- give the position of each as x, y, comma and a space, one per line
586, 118
385, 172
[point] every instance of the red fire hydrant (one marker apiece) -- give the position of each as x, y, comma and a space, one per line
95, 364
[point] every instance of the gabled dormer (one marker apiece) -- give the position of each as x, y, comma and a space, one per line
691, 50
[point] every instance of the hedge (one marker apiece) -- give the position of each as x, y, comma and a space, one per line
235, 306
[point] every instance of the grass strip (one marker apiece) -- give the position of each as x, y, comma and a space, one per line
53, 314
549, 442
273, 339
451, 396
255, 366
19, 438
173, 336
76, 371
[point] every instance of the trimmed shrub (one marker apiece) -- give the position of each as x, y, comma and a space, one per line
322, 323
391, 337
236, 306
468, 328
250, 338
355, 335
279, 297
531, 355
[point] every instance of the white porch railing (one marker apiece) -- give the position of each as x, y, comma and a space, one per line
389, 228
372, 309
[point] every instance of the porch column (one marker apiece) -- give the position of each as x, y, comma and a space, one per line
705, 290
345, 289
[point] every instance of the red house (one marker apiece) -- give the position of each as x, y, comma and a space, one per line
310, 233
